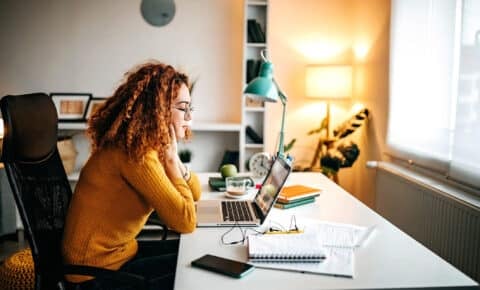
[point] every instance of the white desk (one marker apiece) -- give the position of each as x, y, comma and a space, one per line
388, 259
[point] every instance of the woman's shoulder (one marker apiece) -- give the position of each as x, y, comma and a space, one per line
112, 154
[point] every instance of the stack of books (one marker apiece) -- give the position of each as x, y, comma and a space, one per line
255, 32
295, 195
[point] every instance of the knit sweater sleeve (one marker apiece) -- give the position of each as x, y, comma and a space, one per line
172, 199
194, 184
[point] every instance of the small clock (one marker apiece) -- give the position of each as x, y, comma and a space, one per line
259, 164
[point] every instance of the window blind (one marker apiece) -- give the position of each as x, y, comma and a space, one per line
434, 106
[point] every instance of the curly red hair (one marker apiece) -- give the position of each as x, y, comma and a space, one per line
137, 117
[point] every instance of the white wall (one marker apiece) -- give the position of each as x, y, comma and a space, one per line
87, 46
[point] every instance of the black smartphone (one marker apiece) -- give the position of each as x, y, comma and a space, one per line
223, 266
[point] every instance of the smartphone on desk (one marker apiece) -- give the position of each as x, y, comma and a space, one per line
224, 266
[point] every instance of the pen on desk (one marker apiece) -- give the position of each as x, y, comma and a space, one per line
276, 232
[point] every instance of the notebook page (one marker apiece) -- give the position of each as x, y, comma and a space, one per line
340, 262
341, 235
298, 247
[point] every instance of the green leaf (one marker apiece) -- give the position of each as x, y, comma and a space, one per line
289, 145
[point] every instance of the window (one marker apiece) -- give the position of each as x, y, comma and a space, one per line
434, 114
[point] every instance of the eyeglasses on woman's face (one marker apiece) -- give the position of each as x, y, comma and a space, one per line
187, 110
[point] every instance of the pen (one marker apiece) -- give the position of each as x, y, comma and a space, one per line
276, 232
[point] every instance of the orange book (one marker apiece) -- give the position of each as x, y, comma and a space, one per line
295, 192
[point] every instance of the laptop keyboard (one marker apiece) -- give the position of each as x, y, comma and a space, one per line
236, 211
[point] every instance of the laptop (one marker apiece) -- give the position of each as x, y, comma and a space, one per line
223, 213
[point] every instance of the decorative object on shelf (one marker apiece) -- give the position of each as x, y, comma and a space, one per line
265, 88
68, 154
259, 164
71, 106
251, 103
329, 82
158, 12
93, 105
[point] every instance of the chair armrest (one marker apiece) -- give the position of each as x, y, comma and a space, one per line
118, 276
153, 219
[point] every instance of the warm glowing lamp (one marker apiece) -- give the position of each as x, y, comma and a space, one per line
265, 88
328, 82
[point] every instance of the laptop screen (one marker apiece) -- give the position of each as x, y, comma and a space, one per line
272, 185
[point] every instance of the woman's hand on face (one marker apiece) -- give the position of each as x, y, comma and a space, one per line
171, 152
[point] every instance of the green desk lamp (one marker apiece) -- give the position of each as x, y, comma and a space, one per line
265, 88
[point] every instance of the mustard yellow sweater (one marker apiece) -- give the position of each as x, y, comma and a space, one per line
111, 203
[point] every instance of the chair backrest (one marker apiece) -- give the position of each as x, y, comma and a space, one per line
38, 180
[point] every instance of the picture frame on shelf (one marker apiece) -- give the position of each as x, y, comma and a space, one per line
93, 105
71, 106
252, 103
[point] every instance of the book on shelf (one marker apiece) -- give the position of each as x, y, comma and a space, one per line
295, 192
250, 70
259, 32
257, 139
254, 32
286, 247
294, 203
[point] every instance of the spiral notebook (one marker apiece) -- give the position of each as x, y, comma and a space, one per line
287, 247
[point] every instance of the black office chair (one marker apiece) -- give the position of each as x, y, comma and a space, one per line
42, 191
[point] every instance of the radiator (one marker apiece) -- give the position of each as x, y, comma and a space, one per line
445, 223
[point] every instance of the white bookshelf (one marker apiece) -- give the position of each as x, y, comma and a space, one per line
253, 116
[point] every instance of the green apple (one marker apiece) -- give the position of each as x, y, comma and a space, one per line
228, 170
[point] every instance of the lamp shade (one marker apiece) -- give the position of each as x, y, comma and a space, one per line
328, 81
263, 87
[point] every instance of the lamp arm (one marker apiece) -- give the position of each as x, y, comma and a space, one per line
281, 94
283, 99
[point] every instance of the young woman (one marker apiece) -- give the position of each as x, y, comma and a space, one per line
134, 170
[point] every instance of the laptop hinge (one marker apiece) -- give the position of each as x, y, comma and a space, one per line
258, 212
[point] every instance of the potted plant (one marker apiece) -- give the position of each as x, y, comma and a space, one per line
185, 156
335, 153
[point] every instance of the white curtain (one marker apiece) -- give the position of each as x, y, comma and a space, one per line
434, 114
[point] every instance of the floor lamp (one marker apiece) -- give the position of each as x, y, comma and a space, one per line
327, 82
